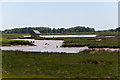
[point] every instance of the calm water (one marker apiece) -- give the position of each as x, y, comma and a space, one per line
51, 36
44, 46
48, 46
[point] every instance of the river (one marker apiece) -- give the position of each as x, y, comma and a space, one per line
49, 46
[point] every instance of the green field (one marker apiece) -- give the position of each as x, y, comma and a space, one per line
86, 64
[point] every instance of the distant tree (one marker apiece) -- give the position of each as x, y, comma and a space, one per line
117, 29
112, 30
54, 30
49, 30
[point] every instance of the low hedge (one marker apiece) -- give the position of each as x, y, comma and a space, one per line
74, 45
20, 42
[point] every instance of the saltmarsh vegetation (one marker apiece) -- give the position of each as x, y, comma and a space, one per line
6, 40
20, 42
98, 42
86, 64
16, 42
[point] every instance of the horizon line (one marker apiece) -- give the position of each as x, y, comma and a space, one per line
57, 27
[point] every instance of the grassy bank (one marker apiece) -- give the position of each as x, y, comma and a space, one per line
7, 42
86, 64
99, 42
16, 42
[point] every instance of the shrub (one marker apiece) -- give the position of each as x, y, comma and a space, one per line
20, 42
74, 45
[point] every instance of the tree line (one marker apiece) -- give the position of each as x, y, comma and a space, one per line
49, 30
115, 30
76, 29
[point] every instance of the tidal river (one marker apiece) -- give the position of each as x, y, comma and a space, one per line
44, 46
48, 46
57, 36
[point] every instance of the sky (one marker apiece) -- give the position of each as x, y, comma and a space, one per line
98, 15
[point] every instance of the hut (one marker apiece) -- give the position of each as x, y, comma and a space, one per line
35, 33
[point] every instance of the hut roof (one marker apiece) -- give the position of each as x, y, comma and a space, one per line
36, 31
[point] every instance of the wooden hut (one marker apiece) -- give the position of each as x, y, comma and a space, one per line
35, 33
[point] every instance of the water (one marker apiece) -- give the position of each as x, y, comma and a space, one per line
44, 46
49, 46
57, 36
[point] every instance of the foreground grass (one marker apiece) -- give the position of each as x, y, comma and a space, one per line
86, 64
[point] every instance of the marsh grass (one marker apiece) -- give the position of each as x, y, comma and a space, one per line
20, 42
105, 42
6, 40
86, 64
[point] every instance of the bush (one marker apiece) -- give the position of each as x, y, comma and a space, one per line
20, 42
5, 43
74, 45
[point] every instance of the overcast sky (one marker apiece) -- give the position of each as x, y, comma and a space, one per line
98, 15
